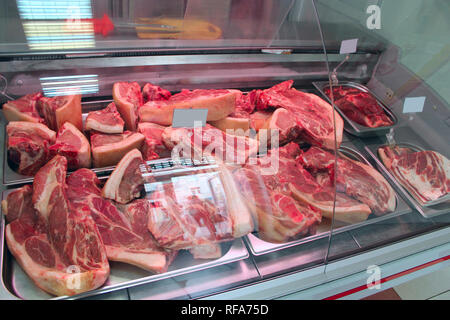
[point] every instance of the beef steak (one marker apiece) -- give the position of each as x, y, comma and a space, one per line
57, 245
354, 178
107, 120
425, 174
29, 145
124, 232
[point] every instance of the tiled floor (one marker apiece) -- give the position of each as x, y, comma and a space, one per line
433, 286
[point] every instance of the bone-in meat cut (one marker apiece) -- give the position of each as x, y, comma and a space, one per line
58, 246
197, 210
29, 145
152, 92
57, 110
128, 99
73, 145
124, 232
107, 120
220, 103
153, 147
23, 109
209, 141
109, 149
359, 106
356, 179
314, 116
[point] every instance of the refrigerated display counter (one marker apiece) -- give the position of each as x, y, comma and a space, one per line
347, 100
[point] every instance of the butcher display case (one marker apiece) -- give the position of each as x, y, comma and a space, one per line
316, 135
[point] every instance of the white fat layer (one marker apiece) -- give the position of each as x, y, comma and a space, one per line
111, 187
42, 204
147, 260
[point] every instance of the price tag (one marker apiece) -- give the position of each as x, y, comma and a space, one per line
413, 104
348, 46
189, 118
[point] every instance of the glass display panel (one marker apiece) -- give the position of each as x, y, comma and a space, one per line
398, 120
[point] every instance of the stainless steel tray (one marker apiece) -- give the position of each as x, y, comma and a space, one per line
351, 126
425, 210
11, 177
348, 149
15, 283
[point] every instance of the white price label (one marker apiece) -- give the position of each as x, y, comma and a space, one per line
348, 46
189, 118
413, 104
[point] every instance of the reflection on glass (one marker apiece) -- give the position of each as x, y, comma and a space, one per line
57, 24
68, 85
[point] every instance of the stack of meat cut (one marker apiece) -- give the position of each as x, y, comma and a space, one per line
289, 191
360, 107
63, 230
58, 245
137, 119
295, 114
33, 140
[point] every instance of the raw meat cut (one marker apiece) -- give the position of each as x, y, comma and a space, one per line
126, 181
246, 102
220, 103
243, 120
58, 110
28, 145
258, 119
23, 109
314, 116
128, 99
284, 122
107, 120
262, 101
207, 141
354, 178
279, 218
360, 107
152, 92
108, 149
266, 187
58, 246
277, 180
153, 147
124, 232
242, 117
425, 174
73, 145
196, 210
318, 191
19, 206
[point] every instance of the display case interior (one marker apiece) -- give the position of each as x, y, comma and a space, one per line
305, 155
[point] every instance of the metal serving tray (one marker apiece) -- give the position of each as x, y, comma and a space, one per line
11, 177
351, 126
15, 283
425, 210
258, 246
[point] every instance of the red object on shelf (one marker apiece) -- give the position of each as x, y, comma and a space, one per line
103, 26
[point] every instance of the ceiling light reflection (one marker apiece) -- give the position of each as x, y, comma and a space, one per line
68, 85
57, 24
